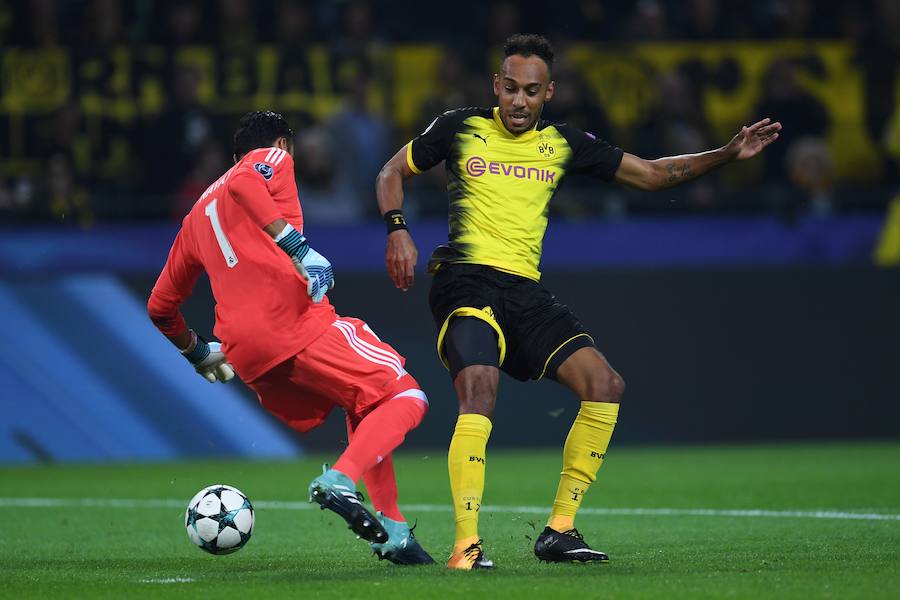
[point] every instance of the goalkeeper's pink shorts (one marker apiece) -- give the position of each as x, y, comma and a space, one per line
347, 366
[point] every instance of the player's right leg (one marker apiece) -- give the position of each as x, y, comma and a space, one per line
379, 432
383, 403
293, 391
347, 366
402, 547
471, 348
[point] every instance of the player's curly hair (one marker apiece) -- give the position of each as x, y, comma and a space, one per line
529, 44
260, 129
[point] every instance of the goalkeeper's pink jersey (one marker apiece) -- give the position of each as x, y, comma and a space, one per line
263, 312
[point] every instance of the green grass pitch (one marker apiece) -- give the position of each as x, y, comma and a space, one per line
84, 545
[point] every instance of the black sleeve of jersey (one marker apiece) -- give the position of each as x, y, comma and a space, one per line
434, 144
590, 154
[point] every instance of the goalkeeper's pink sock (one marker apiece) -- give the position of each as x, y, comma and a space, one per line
382, 488
376, 436
380, 482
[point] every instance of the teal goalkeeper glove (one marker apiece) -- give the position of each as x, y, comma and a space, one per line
208, 359
311, 265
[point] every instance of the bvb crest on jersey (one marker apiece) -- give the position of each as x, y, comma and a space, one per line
545, 149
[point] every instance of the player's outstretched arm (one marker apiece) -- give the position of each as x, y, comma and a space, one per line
175, 283
662, 173
401, 254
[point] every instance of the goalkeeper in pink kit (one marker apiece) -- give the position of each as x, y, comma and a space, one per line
282, 335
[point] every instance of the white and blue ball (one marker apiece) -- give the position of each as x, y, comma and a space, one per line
219, 519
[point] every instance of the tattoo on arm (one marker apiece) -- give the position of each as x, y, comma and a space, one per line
678, 172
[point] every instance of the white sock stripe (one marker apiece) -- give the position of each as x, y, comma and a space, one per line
386, 354
268, 157
413, 393
362, 352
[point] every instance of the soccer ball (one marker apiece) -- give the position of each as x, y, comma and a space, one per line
219, 519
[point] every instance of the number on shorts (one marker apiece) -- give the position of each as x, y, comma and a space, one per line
224, 245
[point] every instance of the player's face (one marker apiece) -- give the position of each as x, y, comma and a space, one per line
522, 86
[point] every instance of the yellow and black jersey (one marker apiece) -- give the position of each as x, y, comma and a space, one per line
500, 185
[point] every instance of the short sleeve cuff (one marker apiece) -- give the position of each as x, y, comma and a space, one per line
409, 159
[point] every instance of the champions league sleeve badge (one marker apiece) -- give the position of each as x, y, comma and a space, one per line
265, 170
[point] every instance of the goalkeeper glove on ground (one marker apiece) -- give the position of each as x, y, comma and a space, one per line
208, 359
314, 267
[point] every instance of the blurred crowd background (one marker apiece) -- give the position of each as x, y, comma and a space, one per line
124, 110
767, 281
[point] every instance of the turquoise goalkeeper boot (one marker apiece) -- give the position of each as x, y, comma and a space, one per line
401, 547
337, 492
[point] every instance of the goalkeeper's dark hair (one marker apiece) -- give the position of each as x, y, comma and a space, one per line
260, 129
529, 44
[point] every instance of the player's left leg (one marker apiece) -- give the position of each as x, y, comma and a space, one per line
600, 388
548, 340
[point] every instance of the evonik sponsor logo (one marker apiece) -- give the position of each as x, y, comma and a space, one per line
476, 166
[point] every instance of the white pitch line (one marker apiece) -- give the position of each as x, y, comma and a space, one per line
445, 508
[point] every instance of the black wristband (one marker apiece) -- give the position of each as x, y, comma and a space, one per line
394, 220
200, 350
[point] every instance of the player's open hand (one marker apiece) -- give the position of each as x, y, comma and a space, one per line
400, 258
751, 140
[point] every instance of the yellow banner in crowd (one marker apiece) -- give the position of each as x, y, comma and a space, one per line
624, 80
128, 83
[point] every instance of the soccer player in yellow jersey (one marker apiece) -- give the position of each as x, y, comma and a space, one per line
503, 166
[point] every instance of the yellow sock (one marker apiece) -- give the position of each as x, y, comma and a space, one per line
466, 463
582, 457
